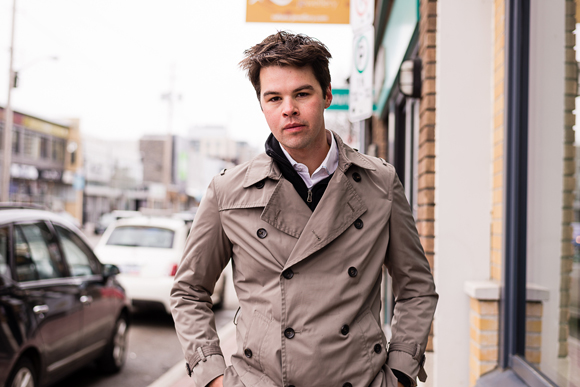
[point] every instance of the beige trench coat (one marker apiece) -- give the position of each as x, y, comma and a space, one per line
308, 283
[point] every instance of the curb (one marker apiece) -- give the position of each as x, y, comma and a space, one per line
177, 372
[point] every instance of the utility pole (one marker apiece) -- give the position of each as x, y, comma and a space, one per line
167, 153
8, 119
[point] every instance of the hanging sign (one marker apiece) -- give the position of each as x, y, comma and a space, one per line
298, 11
361, 76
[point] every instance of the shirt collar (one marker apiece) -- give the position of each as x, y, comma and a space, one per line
330, 162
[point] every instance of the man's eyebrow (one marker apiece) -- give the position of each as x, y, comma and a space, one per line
303, 87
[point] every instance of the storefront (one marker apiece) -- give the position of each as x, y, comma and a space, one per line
44, 162
485, 146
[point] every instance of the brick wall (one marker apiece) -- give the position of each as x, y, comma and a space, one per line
569, 182
426, 155
483, 332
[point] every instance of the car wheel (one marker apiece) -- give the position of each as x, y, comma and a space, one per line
115, 353
23, 375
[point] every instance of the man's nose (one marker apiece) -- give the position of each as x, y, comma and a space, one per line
290, 109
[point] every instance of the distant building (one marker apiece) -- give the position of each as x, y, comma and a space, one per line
46, 163
211, 149
114, 177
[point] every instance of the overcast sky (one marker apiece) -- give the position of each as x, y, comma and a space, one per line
115, 59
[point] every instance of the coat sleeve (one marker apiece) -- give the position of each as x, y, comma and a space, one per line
413, 289
207, 252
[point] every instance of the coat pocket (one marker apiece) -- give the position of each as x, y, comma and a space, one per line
385, 378
373, 341
254, 339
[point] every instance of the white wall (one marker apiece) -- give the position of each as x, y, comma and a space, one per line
545, 167
463, 175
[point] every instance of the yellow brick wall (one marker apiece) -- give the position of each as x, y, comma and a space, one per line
569, 181
426, 155
483, 332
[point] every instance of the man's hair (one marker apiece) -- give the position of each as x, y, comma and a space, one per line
288, 49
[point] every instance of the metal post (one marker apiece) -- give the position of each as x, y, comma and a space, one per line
516, 184
8, 120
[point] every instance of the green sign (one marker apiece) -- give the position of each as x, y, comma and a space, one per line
339, 99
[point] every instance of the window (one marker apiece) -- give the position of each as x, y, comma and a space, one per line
31, 145
76, 253
36, 253
15, 141
139, 236
4, 268
58, 150
44, 148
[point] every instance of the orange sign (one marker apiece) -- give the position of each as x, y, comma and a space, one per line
298, 11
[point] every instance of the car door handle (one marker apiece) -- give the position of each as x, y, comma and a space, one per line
86, 299
40, 309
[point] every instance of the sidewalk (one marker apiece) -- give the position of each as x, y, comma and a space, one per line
177, 376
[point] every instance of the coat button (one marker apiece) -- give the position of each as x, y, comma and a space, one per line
260, 184
262, 233
356, 177
352, 271
248, 353
288, 274
358, 223
344, 330
289, 333
378, 348
347, 385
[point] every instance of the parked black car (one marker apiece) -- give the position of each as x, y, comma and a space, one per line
60, 308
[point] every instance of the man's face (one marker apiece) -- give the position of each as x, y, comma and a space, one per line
293, 104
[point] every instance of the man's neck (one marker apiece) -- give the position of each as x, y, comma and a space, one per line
312, 157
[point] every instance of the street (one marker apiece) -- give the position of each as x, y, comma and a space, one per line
153, 349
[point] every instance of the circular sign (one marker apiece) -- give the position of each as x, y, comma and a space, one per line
361, 54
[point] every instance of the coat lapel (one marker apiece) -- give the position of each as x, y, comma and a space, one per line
339, 207
286, 210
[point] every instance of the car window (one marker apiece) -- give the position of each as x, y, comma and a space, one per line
76, 253
36, 253
4, 269
140, 236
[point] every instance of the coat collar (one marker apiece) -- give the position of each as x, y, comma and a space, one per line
263, 166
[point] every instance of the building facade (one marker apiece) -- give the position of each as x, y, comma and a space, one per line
46, 163
485, 147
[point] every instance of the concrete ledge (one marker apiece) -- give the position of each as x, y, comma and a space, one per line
490, 291
482, 290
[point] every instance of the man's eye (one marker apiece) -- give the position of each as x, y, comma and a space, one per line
274, 99
303, 94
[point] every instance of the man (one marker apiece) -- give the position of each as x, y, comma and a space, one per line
308, 226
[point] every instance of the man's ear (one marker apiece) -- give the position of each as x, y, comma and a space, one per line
328, 97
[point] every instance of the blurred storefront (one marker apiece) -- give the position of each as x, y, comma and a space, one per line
46, 164
475, 107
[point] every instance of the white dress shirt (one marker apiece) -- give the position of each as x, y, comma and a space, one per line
327, 168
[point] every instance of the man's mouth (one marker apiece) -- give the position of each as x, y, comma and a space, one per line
293, 125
